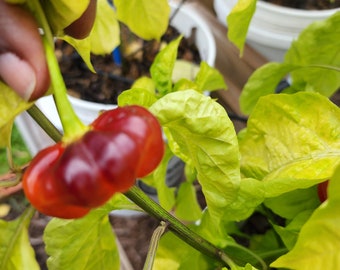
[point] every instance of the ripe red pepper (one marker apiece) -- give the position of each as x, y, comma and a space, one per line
322, 191
67, 181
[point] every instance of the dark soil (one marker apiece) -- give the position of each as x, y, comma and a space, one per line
112, 77
307, 4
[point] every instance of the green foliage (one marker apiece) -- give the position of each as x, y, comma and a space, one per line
311, 62
137, 14
16, 252
187, 208
238, 22
304, 149
87, 243
62, 13
272, 168
201, 142
318, 242
182, 257
18, 150
161, 69
11, 106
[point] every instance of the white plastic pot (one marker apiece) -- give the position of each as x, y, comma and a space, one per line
273, 28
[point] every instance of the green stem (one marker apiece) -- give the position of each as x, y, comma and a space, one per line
45, 123
10, 181
72, 125
156, 236
178, 228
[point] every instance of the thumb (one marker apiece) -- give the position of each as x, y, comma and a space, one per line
22, 60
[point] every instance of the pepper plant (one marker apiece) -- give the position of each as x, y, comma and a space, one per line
270, 169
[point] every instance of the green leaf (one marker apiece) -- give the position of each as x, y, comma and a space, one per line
189, 122
209, 78
103, 38
10, 106
262, 82
145, 83
182, 257
317, 45
187, 207
250, 195
83, 47
163, 65
291, 142
105, 33
62, 13
85, 243
136, 96
184, 69
185, 84
290, 204
147, 19
268, 246
289, 234
318, 243
15, 1
238, 22
16, 252
157, 179
310, 71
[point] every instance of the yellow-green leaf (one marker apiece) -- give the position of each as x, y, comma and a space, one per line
10, 106
62, 13
318, 243
85, 243
238, 22
291, 141
148, 19
16, 252
105, 33
189, 122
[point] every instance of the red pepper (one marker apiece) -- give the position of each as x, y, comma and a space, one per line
322, 191
68, 181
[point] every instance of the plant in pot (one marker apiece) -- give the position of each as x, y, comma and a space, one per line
182, 18
99, 91
260, 186
273, 25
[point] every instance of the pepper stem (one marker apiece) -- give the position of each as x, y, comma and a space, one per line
72, 125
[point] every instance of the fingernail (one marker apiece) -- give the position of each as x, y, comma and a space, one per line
17, 74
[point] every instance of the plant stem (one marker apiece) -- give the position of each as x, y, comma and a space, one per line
72, 125
178, 228
45, 123
10, 180
156, 236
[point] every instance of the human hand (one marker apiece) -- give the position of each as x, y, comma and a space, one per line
23, 64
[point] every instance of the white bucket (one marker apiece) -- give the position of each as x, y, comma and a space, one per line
273, 28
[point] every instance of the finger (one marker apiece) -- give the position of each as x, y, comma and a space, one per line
22, 60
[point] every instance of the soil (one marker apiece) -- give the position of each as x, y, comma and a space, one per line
307, 4
112, 77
